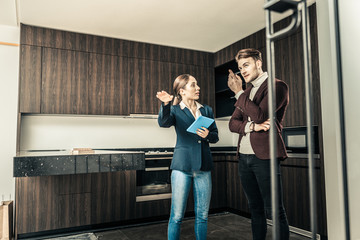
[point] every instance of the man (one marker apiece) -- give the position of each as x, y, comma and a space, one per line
251, 121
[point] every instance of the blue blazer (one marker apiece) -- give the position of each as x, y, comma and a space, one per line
191, 153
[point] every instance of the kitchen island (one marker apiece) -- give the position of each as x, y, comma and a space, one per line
57, 191
63, 162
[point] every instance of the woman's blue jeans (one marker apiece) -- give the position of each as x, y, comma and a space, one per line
255, 178
181, 183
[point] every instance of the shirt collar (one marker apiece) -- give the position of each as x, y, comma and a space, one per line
260, 79
183, 105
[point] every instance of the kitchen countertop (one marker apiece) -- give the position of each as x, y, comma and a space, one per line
62, 162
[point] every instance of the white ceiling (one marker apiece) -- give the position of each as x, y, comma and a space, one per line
206, 25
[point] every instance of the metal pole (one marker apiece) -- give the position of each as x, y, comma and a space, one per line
309, 116
272, 107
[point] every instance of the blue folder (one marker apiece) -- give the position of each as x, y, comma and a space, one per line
201, 121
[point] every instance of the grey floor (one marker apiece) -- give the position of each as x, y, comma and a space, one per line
220, 226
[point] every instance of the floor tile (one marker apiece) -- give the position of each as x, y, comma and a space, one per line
224, 226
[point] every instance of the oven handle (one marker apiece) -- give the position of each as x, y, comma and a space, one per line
159, 158
156, 169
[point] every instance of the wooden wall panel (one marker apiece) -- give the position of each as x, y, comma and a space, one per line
108, 85
64, 82
30, 79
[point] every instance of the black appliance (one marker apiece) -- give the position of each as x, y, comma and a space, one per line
295, 139
153, 183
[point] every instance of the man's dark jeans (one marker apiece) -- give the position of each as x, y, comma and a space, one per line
256, 180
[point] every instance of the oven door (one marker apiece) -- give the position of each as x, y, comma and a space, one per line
153, 183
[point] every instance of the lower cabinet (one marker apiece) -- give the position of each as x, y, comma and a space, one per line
58, 202
48, 203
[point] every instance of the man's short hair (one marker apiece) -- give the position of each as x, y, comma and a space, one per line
248, 52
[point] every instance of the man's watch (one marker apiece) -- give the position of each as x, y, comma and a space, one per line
252, 125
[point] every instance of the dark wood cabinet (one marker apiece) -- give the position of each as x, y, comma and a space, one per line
146, 78
108, 85
236, 198
113, 196
30, 79
49, 203
64, 82
296, 195
36, 205
218, 175
86, 74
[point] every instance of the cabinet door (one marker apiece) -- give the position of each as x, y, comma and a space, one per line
218, 175
30, 79
295, 181
64, 82
113, 196
108, 85
146, 78
235, 195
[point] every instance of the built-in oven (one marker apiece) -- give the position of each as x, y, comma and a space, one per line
295, 139
154, 183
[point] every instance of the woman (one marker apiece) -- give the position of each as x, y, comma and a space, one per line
192, 161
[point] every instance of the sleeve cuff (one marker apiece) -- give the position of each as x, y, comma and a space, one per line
237, 95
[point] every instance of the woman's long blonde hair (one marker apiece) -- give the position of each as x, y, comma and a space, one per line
179, 83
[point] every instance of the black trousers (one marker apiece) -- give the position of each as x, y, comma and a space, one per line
255, 178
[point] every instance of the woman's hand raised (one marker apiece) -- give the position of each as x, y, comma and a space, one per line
164, 97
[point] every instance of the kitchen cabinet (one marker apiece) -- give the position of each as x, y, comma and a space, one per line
30, 79
108, 85
73, 73
218, 175
224, 97
113, 196
296, 195
50, 203
146, 78
236, 199
64, 82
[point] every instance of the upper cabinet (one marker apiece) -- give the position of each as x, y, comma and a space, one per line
64, 82
108, 85
146, 78
71, 73
30, 79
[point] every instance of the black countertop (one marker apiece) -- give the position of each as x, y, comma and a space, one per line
62, 162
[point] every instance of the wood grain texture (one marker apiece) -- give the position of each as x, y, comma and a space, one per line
30, 79
297, 199
146, 78
218, 176
36, 204
113, 196
236, 198
108, 85
64, 82
74, 210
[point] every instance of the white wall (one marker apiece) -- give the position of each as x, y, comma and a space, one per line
46, 132
349, 34
9, 65
350, 52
